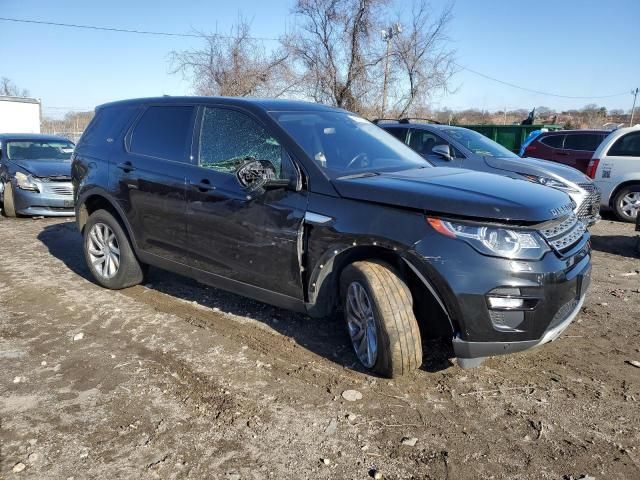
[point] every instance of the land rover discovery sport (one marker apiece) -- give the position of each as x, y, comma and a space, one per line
315, 209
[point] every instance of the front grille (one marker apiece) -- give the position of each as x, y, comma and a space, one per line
564, 234
590, 207
58, 188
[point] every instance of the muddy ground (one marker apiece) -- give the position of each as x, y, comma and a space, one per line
177, 380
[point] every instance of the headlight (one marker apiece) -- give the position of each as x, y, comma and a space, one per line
549, 182
25, 182
494, 241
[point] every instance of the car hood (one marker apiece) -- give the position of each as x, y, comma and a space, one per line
537, 167
45, 168
459, 192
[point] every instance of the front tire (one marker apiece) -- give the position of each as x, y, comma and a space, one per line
108, 252
378, 310
627, 203
8, 205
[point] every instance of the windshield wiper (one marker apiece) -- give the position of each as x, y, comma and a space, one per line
359, 175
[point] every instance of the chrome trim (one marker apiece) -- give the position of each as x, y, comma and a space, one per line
316, 218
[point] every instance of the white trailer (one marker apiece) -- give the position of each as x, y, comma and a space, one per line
19, 115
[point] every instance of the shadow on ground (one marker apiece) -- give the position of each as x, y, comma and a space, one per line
324, 337
616, 244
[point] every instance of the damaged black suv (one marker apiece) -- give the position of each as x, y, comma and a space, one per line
317, 210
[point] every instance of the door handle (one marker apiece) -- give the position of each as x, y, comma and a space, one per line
204, 185
126, 166
564, 154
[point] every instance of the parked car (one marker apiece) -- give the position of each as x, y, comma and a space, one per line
569, 147
446, 145
314, 209
530, 138
35, 175
615, 168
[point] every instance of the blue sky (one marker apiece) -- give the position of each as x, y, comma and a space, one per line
570, 47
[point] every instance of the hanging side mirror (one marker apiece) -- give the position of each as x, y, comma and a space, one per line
259, 174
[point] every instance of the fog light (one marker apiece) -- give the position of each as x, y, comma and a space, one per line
505, 303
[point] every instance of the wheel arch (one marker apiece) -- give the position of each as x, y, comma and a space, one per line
620, 186
324, 284
97, 199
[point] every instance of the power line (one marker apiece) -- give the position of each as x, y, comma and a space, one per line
196, 35
121, 30
540, 92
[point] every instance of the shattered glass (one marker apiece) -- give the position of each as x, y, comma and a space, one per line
230, 139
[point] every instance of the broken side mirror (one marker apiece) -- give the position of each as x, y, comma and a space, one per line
443, 151
260, 174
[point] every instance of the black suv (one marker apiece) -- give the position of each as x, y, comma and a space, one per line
315, 209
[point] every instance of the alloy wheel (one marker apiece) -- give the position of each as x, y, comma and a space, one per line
361, 324
630, 204
104, 252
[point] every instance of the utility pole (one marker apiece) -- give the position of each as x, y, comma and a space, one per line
387, 36
633, 109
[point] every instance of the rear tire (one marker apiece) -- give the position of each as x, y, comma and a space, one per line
388, 301
8, 206
622, 203
108, 252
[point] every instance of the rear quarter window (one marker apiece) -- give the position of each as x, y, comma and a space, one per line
626, 146
553, 141
164, 132
108, 123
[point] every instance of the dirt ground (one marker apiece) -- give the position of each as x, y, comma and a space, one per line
177, 380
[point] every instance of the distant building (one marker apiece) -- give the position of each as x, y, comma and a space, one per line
19, 115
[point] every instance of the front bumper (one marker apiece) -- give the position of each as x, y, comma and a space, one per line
465, 349
46, 202
554, 287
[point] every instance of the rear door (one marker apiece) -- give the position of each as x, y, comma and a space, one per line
148, 178
578, 149
547, 148
233, 232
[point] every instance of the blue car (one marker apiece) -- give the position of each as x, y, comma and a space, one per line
35, 175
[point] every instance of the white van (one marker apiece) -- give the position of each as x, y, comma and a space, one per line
615, 169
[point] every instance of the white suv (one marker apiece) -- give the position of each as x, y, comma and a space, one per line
615, 169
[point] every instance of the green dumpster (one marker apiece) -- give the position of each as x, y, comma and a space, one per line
509, 136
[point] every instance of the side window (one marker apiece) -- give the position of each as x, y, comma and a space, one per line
626, 146
108, 122
228, 138
399, 133
582, 141
423, 141
164, 132
553, 141
456, 153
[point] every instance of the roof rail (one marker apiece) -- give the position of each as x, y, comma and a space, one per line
378, 120
427, 120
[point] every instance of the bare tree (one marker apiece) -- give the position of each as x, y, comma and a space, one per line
234, 65
332, 49
593, 116
8, 88
340, 56
422, 62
